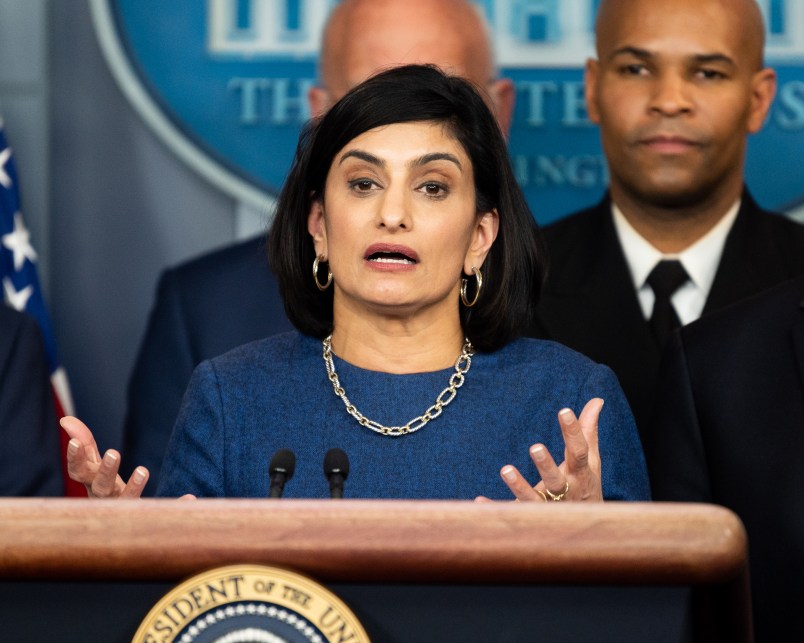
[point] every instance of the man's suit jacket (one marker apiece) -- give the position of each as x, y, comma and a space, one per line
729, 429
30, 460
590, 303
203, 308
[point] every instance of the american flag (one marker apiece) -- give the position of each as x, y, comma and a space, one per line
21, 288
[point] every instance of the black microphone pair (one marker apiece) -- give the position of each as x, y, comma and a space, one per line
283, 464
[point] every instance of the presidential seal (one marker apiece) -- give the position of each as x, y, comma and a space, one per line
250, 604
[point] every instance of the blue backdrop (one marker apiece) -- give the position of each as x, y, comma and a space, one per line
232, 75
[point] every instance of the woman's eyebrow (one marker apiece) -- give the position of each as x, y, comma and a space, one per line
363, 156
436, 156
418, 162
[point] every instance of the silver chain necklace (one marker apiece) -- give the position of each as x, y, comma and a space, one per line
462, 365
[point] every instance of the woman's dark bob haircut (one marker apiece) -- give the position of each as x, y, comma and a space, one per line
513, 270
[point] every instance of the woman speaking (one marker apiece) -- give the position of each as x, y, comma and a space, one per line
410, 264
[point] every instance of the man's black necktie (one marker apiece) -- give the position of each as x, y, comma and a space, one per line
667, 277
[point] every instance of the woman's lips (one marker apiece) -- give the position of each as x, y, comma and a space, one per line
385, 256
389, 251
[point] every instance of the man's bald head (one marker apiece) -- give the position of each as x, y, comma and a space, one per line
745, 15
363, 37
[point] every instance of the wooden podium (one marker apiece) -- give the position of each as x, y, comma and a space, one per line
65, 562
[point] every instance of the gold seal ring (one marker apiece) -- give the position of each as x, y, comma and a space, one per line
556, 497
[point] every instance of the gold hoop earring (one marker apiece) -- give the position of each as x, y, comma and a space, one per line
464, 282
315, 273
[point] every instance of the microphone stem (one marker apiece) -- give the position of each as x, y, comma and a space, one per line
336, 485
277, 486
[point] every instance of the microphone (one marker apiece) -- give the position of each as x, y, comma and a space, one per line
336, 468
281, 468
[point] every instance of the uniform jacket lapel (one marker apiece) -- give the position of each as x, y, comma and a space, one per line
751, 262
590, 286
590, 303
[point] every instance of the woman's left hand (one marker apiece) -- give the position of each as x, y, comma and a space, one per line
578, 476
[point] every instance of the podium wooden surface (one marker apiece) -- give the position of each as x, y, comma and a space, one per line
370, 541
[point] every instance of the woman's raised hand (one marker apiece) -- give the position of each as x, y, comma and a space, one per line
578, 476
98, 474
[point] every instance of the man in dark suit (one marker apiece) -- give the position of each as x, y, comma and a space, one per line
203, 308
676, 88
30, 461
729, 429
212, 304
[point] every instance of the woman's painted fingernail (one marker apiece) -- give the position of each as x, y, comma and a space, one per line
72, 446
110, 457
138, 476
508, 473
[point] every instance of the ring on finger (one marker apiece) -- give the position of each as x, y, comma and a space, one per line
557, 496
541, 493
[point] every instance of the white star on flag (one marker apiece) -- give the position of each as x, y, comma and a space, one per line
5, 179
19, 242
17, 299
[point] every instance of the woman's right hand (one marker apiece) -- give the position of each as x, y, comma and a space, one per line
98, 475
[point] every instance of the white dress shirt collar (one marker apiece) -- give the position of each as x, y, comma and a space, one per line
700, 261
